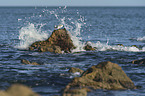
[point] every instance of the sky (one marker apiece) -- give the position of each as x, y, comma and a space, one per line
72, 2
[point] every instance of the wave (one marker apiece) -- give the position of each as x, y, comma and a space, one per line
30, 34
141, 39
106, 47
73, 25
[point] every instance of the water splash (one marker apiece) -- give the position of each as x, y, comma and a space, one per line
106, 47
33, 31
73, 25
141, 39
75, 34
29, 34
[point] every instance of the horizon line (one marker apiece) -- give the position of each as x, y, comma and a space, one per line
66, 6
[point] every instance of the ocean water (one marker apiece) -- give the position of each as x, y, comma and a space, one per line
104, 27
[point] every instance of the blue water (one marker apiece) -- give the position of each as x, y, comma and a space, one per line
104, 27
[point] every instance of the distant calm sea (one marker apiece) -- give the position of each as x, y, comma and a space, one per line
104, 27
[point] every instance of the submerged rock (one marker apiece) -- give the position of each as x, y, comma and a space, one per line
28, 62
59, 41
142, 61
105, 75
18, 90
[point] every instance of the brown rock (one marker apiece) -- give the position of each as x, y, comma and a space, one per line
54, 49
105, 75
18, 90
120, 45
74, 70
142, 61
28, 62
59, 40
3, 93
25, 61
75, 92
88, 47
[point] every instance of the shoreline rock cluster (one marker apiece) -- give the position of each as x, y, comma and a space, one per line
105, 75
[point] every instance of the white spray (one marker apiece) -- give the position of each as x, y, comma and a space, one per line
29, 34
32, 33
74, 27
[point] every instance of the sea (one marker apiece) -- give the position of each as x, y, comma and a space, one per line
117, 33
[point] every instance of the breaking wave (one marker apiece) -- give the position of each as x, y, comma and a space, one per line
29, 34
33, 32
105, 47
141, 39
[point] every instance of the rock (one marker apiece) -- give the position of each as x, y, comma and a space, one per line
74, 70
138, 47
54, 49
105, 75
18, 90
59, 41
3, 93
88, 47
142, 61
28, 62
75, 92
120, 45
134, 46
25, 61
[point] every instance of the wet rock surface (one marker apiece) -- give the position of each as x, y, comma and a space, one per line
105, 75
59, 41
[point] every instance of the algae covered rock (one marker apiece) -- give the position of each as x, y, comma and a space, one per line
59, 41
105, 75
18, 90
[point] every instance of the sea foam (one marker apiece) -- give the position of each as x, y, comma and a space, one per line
141, 39
73, 25
106, 47
30, 34
74, 33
